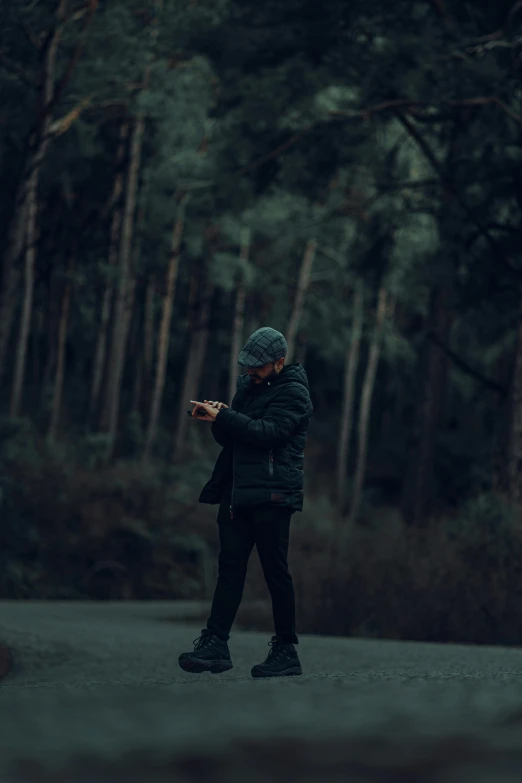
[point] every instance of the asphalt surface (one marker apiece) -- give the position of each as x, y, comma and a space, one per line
100, 680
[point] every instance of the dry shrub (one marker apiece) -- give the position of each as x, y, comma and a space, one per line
457, 580
119, 531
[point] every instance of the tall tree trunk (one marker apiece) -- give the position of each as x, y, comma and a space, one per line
30, 180
302, 350
137, 389
125, 290
36, 369
51, 315
193, 319
32, 394
133, 274
164, 330
204, 335
198, 338
22, 231
101, 343
366, 402
351, 363
136, 352
27, 305
127, 280
148, 339
11, 270
62, 339
401, 391
239, 316
100, 356
505, 373
252, 317
51, 327
302, 287
387, 417
514, 461
418, 489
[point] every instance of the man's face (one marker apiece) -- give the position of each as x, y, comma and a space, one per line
258, 374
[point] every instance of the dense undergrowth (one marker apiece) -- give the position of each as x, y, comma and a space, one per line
71, 529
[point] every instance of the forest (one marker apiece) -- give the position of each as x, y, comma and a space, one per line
178, 174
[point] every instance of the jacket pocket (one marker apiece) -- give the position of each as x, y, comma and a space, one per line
271, 462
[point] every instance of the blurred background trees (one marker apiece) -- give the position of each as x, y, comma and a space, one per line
176, 175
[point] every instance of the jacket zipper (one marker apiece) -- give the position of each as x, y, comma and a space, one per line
233, 480
271, 463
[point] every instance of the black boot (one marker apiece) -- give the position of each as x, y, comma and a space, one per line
282, 661
210, 654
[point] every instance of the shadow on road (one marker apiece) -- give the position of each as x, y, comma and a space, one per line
409, 760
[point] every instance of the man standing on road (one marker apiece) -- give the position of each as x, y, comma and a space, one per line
258, 483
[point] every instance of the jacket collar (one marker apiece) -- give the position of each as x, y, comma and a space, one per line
272, 380
290, 372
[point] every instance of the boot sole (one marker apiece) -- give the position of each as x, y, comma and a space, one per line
295, 670
195, 666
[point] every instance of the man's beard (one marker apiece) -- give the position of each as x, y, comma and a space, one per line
268, 377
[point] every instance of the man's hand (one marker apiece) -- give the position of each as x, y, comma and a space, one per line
210, 407
217, 405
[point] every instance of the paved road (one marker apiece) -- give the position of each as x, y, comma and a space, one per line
102, 679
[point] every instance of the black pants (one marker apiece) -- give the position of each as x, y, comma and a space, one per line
269, 529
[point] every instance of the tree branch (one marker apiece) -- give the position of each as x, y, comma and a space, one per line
515, 8
369, 111
63, 124
493, 227
367, 114
405, 103
274, 154
483, 101
464, 366
30, 34
73, 62
496, 43
442, 11
429, 155
13, 67
497, 34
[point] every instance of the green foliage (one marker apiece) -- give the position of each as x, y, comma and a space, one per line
225, 268
133, 435
19, 440
415, 244
94, 449
396, 349
486, 519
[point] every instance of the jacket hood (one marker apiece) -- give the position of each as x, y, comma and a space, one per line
291, 373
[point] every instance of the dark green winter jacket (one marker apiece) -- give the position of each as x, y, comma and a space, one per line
263, 435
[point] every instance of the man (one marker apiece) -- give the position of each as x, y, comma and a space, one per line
258, 483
